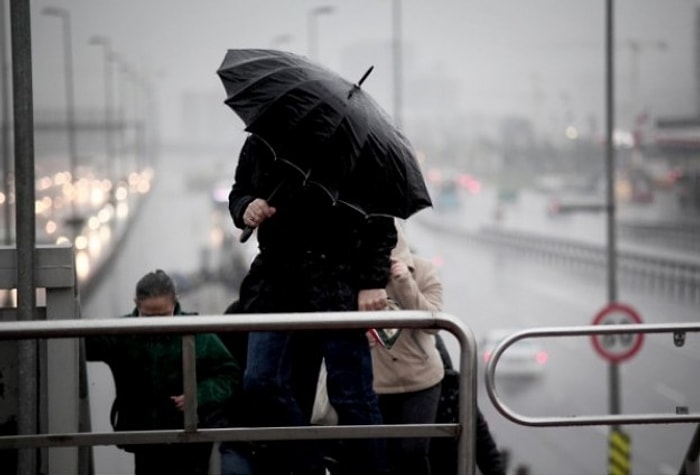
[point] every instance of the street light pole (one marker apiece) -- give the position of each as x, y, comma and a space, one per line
106, 46
314, 13
398, 65
120, 116
635, 48
5, 131
64, 16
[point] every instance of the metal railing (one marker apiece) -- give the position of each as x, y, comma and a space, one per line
674, 275
464, 431
678, 329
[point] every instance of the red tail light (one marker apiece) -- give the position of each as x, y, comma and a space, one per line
541, 357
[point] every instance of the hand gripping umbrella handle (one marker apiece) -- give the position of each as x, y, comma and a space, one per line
248, 231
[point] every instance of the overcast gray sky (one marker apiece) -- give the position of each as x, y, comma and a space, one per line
540, 58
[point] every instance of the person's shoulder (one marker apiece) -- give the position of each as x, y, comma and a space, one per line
423, 263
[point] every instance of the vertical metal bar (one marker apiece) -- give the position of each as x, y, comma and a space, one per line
26, 234
610, 168
106, 46
64, 16
466, 443
70, 114
109, 101
5, 98
121, 115
189, 380
610, 151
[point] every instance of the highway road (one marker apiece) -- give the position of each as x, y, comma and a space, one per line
485, 288
488, 290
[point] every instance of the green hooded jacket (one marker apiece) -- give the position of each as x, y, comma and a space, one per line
147, 371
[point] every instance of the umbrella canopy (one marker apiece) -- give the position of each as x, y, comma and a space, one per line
332, 133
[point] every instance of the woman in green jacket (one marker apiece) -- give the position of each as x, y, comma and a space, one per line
147, 371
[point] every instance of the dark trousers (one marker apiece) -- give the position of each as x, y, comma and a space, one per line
173, 459
281, 390
410, 455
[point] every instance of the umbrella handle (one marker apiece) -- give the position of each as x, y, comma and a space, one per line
248, 231
245, 235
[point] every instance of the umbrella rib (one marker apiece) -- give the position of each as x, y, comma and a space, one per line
363, 212
277, 158
334, 198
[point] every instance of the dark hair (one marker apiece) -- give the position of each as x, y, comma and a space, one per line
155, 284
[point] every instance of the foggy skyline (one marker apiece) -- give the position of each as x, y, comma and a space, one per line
540, 59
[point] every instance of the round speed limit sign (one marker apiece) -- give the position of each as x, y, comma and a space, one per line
617, 347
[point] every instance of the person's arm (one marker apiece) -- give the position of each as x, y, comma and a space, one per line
420, 290
373, 263
242, 191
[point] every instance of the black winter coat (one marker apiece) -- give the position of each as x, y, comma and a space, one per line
314, 256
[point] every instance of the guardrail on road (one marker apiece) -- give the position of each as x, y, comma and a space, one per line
662, 273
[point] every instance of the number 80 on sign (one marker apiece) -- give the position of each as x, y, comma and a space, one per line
617, 347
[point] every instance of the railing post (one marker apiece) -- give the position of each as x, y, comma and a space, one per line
189, 379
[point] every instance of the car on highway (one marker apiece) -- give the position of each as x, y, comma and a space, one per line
525, 358
447, 196
561, 205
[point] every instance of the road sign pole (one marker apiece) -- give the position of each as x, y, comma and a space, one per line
614, 382
614, 378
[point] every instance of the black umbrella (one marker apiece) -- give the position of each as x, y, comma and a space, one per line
329, 130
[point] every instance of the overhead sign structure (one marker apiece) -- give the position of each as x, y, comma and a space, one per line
617, 347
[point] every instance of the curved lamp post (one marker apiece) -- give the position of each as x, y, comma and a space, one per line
61, 13
314, 13
106, 46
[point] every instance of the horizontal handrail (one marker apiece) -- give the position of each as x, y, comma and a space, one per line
188, 325
172, 436
613, 419
70, 327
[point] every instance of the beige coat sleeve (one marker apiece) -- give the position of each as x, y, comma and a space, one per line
419, 290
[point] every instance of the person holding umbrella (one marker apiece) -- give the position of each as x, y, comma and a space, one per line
320, 179
313, 257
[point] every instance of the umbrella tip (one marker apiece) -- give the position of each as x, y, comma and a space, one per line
355, 87
364, 76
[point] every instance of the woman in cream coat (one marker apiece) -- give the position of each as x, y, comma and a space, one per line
407, 375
